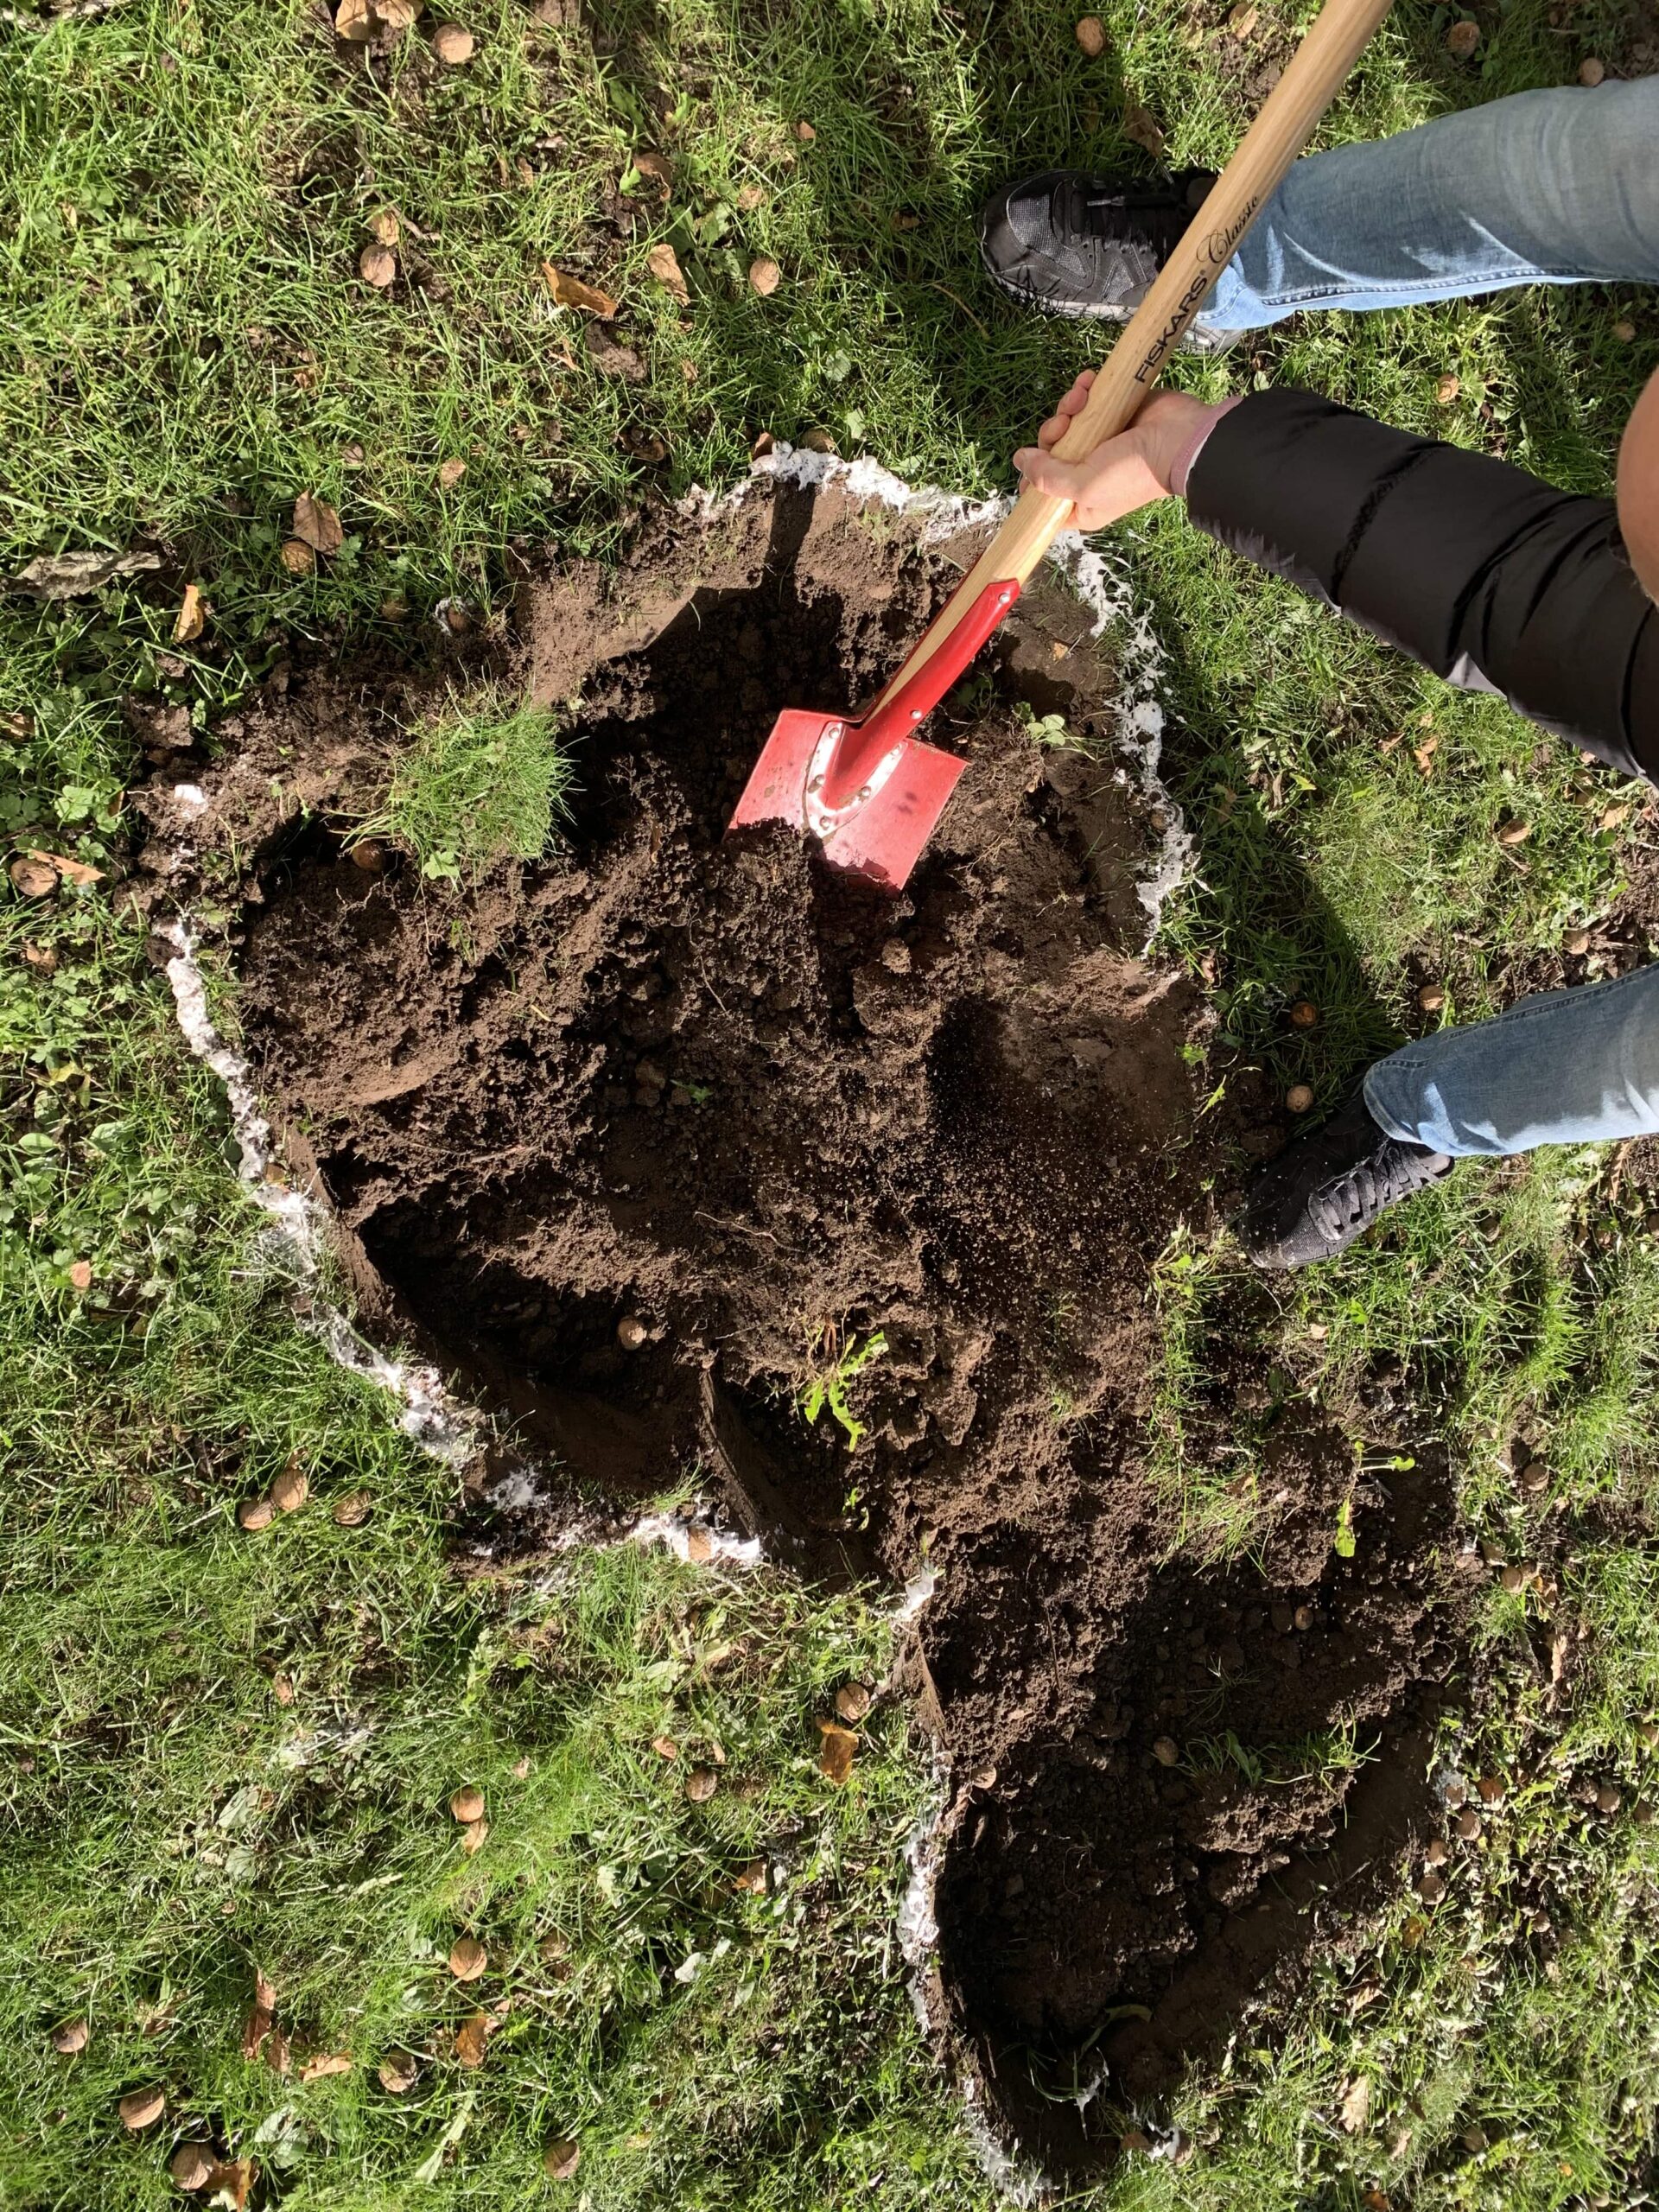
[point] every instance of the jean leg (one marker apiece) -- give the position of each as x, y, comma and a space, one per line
1554, 188
1564, 1067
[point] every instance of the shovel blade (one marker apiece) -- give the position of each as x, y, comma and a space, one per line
882, 839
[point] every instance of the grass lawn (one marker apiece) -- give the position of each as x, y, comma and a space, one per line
227, 1755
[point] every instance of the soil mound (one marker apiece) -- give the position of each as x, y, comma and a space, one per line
668, 1142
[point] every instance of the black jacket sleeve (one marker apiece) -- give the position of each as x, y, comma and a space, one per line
1489, 577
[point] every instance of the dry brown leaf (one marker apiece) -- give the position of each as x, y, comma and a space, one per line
1242, 19
473, 1837
192, 618
35, 879
1462, 38
355, 20
471, 2037
191, 2165
454, 45
468, 1803
1140, 127
378, 266
142, 2108
752, 1881
256, 2028
665, 1747
64, 575
316, 524
1614, 817
383, 227
397, 2071
664, 265
468, 1960
291, 1489
40, 956
73, 871
1356, 2108
264, 1991
764, 275
1090, 34
1423, 754
229, 2183
324, 2063
451, 473
573, 292
656, 166
560, 2159
297, 557
836, 1751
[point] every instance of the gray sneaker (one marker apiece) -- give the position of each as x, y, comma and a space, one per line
1327, 1188
1088, 247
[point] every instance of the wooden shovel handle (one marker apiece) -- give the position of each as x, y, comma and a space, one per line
1282, 127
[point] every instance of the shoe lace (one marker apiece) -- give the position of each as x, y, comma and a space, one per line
1354, 1199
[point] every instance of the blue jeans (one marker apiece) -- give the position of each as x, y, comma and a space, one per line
1550, 187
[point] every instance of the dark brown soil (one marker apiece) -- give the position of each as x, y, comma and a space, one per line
767, 1113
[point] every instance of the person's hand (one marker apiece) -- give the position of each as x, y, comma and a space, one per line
1124, 473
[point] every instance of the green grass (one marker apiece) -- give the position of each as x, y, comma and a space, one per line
483, 780
184, 194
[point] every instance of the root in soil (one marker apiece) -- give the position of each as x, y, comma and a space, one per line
665, 1142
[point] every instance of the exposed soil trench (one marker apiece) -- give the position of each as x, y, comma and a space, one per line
768, 1114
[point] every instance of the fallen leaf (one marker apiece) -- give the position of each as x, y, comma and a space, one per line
230, 2182
378, 266
190, 2166
665, 1747
454, 45
297, 557
572, 292
467, 1804
468, 1960
80, 872
316, 524
65, 576
264, 1991
355, 20
656, 166
664, 265
471, 2037
291, 1489
397, 2071
383, 227
852, 1701
256, 2028
142, 2108
1423, 754
752, 1881
560, 2159
1141, 130
1242, 19
450, 474
35, 879
764, 275
836, 1751
324, 2063
1090, 34
701, 1784
192, 618
1355, 2107
612, 359
1614, 817
40, 956
1462, 38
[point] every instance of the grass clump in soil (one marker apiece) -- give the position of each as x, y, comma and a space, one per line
484, 780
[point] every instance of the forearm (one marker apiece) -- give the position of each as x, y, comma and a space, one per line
1489, 577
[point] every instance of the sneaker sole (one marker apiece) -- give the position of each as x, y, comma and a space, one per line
1191, 340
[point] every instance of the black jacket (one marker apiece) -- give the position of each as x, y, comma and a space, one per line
1489, 577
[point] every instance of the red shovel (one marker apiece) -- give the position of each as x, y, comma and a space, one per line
869, 790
